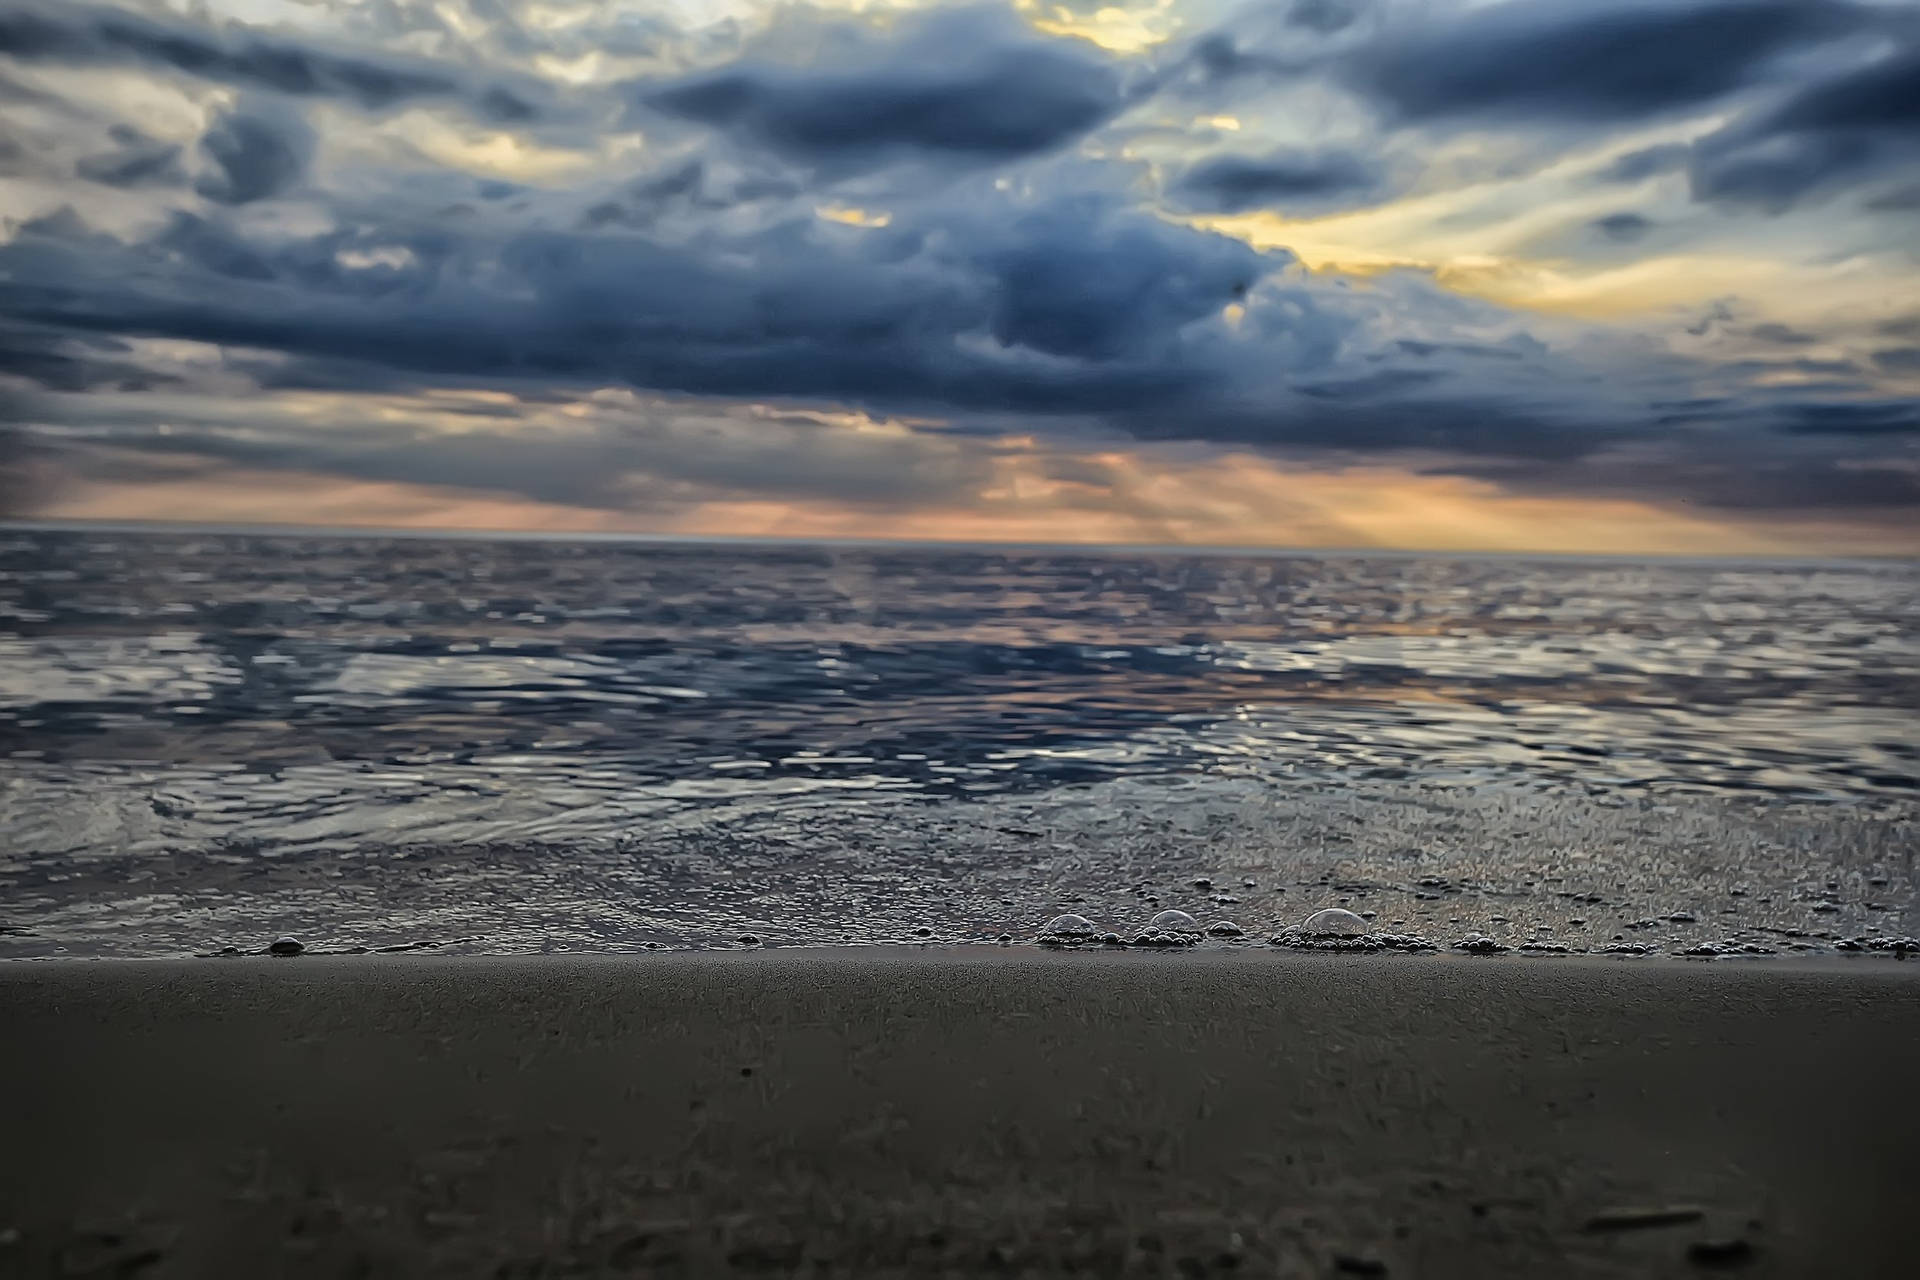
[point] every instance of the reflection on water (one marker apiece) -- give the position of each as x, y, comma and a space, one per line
521, 745
206, 692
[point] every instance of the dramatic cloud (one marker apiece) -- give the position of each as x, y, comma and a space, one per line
70, 33
1577, 63
1232, 183
968, 84
258, 152
967, 259
136, 161
1859, 125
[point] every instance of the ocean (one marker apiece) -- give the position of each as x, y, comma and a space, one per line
212, 739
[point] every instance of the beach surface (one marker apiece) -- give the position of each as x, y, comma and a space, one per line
992, 1111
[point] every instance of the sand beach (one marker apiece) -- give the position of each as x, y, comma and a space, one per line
972, 1111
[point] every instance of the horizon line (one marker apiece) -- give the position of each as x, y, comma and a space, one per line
455, 533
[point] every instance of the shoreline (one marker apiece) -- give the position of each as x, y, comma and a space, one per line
993, 1111
1573, 870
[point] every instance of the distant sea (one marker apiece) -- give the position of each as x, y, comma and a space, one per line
208, 739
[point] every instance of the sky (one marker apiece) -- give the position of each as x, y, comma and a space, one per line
1533, 275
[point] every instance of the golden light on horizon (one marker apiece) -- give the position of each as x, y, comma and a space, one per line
1238, 501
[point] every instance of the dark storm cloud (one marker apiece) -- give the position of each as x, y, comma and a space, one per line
258, 150
1647, 162
1235, 183
1080, 309
136, 161
1053, 306
1705, 474
1325, 16
1854, 418
971, 84
58, 361
1623, 228
685, 190
62, 32
1852, 128
1083, 304
1522, 62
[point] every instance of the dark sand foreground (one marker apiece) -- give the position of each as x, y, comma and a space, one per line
932, 1113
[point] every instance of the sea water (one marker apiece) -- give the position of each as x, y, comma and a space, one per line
211, 739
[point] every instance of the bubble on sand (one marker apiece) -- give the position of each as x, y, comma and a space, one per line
1174, 922
1479, 944
1297, 938
1900, 947
1225, 929
285, 947
1335, 922
1154, 936
1112, 940
1069, 930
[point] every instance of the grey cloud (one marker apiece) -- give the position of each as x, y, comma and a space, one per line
20, 487
1647, 162
1325, 16
1718, 313
1706, 473
623, 460
69, 33
1898, 200
1052, 308
259, 150
1853, 418
1623, 228
67, 362
136, 161
1904, 360
1235, 183
1076, 312
967, 84
778, 313
689, 188
1780, 335
1855, 127
1525, 62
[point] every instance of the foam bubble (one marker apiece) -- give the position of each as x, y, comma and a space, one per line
1154, 936
1069, 930
1174, 922
1225, 929
1335, 922
1296, 938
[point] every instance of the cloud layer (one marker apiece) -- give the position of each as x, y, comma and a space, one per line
890, 262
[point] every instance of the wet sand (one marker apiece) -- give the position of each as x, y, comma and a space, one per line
988, 1111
